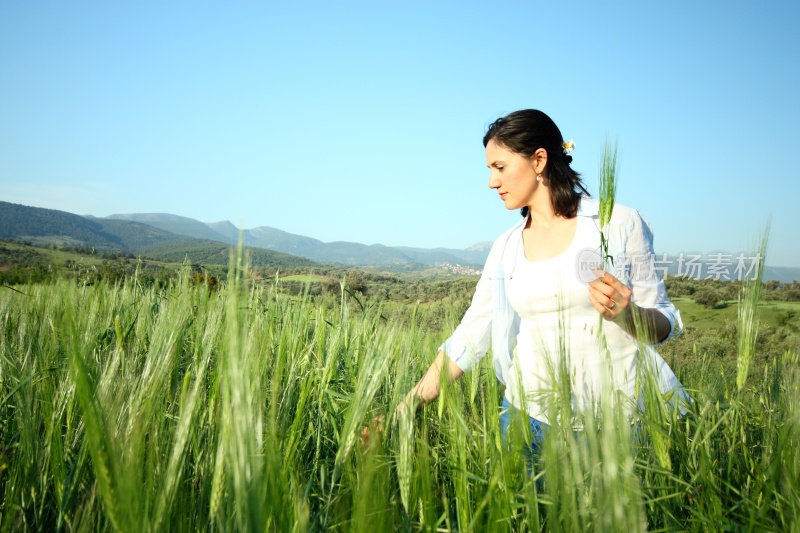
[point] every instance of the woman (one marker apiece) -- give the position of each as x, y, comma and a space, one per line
535, 304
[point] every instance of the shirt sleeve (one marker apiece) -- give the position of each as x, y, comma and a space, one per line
646, 285
470, 340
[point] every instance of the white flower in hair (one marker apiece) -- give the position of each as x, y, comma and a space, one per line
568, 146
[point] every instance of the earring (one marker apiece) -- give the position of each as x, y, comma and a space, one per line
539, 177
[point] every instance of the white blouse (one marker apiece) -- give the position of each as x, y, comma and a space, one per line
516, 304
558, 323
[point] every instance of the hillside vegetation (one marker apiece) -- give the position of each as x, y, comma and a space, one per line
49, 226
166, 233
215, 253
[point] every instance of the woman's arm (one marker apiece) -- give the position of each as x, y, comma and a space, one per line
612, 299
422, 393
470, 340
427, 389
640, 306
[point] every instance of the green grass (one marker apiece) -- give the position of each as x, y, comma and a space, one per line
12, 252
701, 317
130, 408
305, 278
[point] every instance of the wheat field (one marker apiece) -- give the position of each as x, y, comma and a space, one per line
182, 409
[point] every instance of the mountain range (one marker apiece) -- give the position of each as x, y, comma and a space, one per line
170, 236
348, 253
162, 232
52, 227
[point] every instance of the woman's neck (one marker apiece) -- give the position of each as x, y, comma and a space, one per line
541, 213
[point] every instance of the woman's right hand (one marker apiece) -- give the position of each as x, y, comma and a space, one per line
373, 430
377, 425
425, 391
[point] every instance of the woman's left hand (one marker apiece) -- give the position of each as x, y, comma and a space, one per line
610, 297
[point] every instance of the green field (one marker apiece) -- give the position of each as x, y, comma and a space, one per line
127, 407
698, 316
304, 278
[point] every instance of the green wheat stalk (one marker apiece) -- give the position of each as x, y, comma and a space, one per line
608, 192
748, 322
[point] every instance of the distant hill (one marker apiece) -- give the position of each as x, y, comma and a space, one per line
708, 267
217, 253
348, 253
275, 239
49, 226
174, 224
782, 274
226, 229
475, 255
176, 236
42, 225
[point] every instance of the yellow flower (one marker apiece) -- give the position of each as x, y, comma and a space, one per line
568, 146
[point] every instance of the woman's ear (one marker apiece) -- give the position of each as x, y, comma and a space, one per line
539, 160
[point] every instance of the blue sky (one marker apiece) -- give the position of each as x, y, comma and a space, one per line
362, 121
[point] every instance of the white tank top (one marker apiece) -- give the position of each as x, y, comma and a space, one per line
559, 326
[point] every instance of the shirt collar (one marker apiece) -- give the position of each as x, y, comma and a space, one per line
589, 207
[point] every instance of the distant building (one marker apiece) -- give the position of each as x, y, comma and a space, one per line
461, 269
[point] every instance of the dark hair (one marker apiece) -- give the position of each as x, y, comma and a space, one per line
526, 131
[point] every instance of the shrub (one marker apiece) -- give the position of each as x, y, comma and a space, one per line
708, 297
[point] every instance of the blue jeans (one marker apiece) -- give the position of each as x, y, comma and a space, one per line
538, 429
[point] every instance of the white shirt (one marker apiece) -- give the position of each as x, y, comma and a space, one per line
507, 310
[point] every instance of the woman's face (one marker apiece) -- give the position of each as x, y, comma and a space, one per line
512, 174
